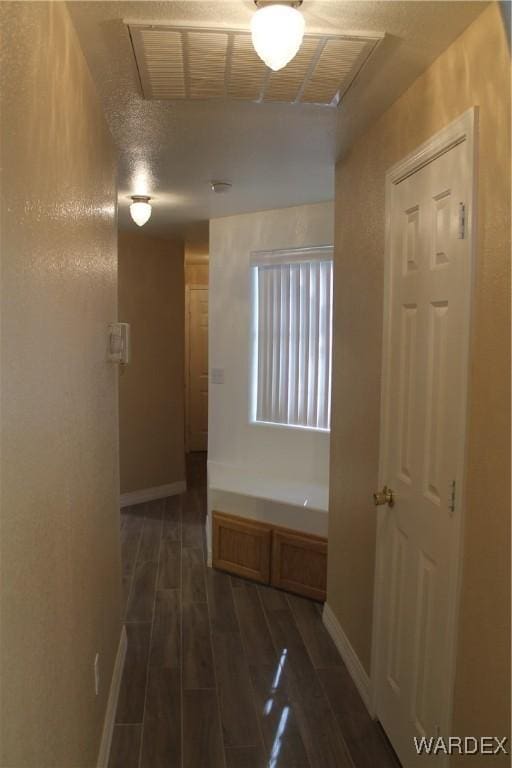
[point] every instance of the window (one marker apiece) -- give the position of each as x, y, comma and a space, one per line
292, 337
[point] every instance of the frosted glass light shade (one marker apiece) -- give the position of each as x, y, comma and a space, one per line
277, 32
140, 211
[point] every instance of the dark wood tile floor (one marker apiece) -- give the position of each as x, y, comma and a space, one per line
221, 673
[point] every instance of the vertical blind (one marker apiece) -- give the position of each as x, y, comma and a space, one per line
293, 337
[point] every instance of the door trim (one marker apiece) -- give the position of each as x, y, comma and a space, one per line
463, 130
188, 289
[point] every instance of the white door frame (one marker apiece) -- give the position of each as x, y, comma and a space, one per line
462, 131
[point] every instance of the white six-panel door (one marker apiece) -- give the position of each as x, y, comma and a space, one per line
422, 446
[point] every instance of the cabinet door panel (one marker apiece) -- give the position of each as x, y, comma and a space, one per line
299, 563
242, 547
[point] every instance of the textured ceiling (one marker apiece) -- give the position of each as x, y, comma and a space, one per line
275, 155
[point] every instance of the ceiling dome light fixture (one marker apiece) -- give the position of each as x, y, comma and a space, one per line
140, 209
277, 30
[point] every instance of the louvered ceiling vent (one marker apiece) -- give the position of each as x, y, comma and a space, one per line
185, 63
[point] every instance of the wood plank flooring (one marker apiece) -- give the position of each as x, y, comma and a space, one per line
221, 673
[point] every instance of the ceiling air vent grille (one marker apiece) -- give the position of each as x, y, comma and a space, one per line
163, 57
247, 71
206, 60
187, 63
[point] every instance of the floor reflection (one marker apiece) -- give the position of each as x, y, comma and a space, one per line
269, 705
276, 746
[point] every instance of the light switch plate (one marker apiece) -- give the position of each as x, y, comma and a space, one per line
119, 343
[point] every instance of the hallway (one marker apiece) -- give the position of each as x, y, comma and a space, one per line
288, 245
221, 672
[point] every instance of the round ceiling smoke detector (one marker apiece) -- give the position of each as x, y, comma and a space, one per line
220, 187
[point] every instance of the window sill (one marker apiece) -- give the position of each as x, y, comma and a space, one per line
296, 427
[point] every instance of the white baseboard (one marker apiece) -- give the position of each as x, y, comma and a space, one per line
150, 494
349, 656
110, 714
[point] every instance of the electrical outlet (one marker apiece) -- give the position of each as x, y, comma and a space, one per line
97, 674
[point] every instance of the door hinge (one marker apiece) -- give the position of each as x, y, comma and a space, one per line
462, 221
451, 505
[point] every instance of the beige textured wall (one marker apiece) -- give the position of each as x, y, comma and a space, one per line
60, 564
151, 388
474, 70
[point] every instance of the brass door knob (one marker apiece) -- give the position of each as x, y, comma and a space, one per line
384, 497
